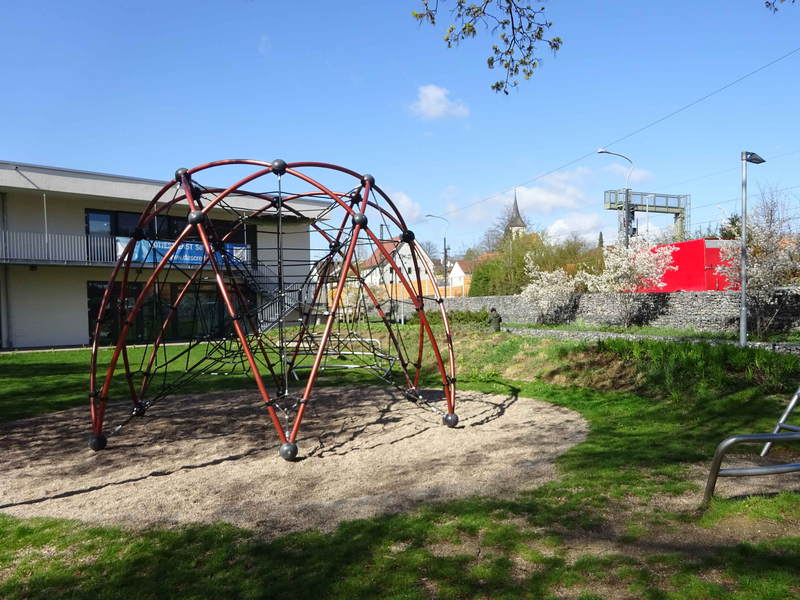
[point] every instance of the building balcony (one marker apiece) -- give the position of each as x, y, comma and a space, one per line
37, 248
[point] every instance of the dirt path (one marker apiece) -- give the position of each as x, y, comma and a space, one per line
214, 457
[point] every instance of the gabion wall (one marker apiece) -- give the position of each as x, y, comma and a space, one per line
704, 311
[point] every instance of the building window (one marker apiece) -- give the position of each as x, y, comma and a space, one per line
120, 223
127, 221
98, 223
204, 315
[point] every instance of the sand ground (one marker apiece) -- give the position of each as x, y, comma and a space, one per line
364, 451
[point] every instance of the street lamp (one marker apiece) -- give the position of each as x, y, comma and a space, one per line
747, 157
445, 250
627, 192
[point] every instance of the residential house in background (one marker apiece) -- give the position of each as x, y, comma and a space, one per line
460, 277
376, 270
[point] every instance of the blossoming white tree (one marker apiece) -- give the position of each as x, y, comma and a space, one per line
628, 270
773, 259
548, 292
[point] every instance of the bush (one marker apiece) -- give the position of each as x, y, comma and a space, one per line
700, 370
456, 317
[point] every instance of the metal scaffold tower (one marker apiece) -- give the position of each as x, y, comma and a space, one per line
646, 202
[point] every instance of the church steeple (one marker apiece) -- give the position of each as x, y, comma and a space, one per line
516, 225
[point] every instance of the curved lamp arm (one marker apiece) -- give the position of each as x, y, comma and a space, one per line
602, 151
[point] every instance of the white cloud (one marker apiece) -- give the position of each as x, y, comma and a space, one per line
555, 191
478, 214
450, 193
473, 214
638, 175
586, 225
433, 104
551, 194
410, 210
264, 45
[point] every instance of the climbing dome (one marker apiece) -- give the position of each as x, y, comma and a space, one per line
277, 286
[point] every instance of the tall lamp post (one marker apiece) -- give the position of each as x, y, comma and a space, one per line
747, 157
445, 249
627, 218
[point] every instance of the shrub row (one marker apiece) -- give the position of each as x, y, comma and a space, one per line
456, 317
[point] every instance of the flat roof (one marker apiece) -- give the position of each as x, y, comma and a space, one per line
26, 176
80, 172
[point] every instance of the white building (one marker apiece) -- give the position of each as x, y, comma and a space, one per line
460, 272
59, 231
377, 270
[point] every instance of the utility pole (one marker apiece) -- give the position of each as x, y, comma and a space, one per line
627, 215
445, 266
445, 250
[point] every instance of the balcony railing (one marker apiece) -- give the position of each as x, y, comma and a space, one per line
58, 248
34, 247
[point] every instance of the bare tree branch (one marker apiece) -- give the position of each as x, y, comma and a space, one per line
773, 6
430, 248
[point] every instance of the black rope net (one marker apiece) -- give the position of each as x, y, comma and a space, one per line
278, 286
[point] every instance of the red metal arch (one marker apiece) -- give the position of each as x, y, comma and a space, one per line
353, 204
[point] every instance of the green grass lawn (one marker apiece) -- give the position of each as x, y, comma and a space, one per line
670, 406
35, 383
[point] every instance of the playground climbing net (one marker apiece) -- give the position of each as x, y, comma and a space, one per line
278, 286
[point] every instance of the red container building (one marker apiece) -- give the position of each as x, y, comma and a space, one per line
696, 261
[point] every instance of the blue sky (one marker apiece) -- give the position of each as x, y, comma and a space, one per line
141, 88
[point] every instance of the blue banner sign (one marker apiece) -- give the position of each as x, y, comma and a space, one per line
187, 253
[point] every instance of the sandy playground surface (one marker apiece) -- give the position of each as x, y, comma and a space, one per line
214, 457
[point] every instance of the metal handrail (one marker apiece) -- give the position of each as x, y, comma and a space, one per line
782, 421
747, 471
270, 310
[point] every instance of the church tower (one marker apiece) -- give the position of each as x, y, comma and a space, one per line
516, 225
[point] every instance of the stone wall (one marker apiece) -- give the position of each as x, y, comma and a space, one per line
704, 311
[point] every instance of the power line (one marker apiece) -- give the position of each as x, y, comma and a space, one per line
591, 204
701, 206
625, 137
795, 218
725, 87
588, 229
465, 233
748, 195
513, 188
720, 172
